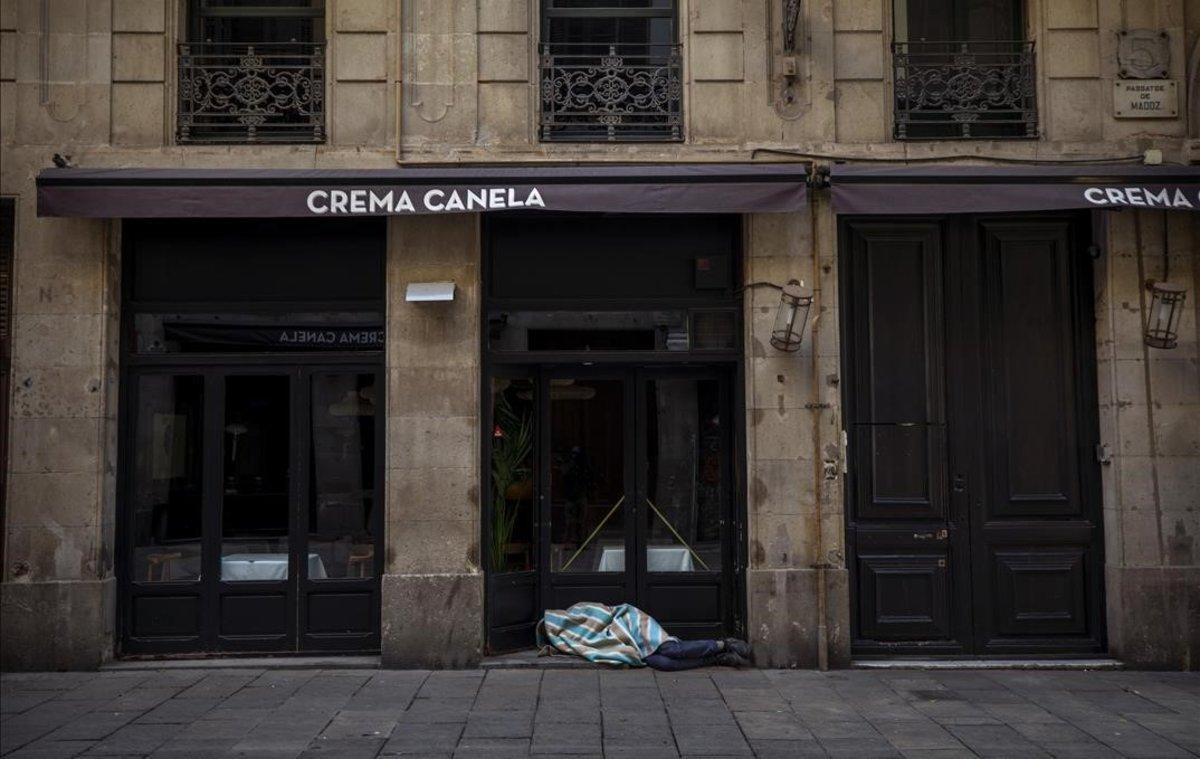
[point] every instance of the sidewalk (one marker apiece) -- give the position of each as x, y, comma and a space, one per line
503, 713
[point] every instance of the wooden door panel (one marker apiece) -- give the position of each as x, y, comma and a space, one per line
1029, 371
1039, 590
904, 597
1035, 504
901, 472
897, 333
902, 532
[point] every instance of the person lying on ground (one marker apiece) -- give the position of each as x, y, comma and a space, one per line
625, 636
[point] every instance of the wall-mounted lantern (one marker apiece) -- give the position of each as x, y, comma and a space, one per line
795, 300
1166, 309
791, 315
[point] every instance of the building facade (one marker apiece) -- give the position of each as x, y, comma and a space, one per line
382, 325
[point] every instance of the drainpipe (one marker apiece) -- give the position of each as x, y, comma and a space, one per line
818, 467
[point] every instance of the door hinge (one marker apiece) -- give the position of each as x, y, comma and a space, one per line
845, 453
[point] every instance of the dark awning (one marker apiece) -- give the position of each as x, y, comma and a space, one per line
859, 189
645, 188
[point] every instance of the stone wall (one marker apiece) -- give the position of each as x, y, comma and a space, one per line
432, 583
793, 440
1150, 419
456, 80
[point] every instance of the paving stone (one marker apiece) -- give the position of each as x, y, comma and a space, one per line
178, 711
343, 748
857, 748
437, 710
787, 749
93, 726
51, 750
15, 703
498, 724
916, 734
706, 711
655, 752
649, 714
451, 684
710, 739
559, 738
136, 740
1085, 750
637, 736
995, 740
492, 748
424, 737
772, 726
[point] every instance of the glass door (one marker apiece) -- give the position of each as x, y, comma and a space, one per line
684, 492
254, 512
342, 509
587, 487
257, 567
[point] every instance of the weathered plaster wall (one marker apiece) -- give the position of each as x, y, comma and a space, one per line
1150, 418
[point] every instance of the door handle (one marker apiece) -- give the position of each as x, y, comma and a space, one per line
939, 535
959, 483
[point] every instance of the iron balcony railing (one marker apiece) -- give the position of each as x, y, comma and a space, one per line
615, 93
251, 93
965, 90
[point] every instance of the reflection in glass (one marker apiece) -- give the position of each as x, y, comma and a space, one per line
342, 501
254, 513
168, 464
685, 471
587, 487
513, 474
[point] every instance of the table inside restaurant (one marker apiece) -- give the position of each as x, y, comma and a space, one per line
658, 559
265, 567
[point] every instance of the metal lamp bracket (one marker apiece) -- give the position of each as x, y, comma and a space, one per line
786, 21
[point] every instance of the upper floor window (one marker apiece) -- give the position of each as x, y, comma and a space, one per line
610, 71
253, 72
963, 70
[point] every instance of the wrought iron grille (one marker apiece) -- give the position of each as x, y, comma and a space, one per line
622, 92
245, 93
965, 90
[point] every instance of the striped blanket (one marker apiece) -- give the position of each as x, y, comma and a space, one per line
619, 636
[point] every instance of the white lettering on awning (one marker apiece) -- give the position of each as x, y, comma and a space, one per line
1141, 197
434, 200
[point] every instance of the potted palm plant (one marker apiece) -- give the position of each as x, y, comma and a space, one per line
512, 442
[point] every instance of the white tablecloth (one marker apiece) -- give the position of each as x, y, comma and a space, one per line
612, 559
262, 567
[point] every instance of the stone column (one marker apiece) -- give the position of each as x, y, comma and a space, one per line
57, 599
793, 432
433, 582
1149, 407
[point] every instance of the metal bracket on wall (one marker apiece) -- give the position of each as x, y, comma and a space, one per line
785, 69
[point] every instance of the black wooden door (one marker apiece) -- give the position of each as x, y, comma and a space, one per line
973, 507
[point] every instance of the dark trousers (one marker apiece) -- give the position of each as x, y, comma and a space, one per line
677, 655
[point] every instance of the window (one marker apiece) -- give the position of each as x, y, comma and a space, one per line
610, 71
253, 72
963, 70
